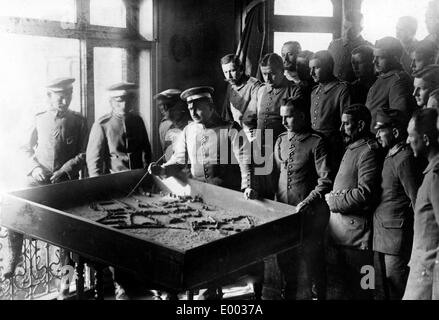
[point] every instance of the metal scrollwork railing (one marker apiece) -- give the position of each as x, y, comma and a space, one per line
37, 275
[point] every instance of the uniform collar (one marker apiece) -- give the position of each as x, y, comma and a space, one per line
357, 143
328, 86
432, 164
298, 136
396, 149
244, 80
390, 73
284, 84
213, 122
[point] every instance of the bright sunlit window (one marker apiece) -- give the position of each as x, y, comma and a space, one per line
308, 41
317, 8
380, 17
110, 13
57, 10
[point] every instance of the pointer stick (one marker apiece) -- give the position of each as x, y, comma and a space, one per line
138, 184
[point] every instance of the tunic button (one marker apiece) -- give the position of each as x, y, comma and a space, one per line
352, 221
424, 273
436, 262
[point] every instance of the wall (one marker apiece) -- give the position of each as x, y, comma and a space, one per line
193, 35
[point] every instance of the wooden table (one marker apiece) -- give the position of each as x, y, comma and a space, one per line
38, 212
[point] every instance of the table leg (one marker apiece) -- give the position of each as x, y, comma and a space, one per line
80, 281
99, 283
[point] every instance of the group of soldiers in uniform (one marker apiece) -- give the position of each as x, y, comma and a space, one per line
344, 135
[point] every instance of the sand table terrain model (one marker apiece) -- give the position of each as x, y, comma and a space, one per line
179, 222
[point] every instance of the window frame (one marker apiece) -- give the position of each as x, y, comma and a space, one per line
304, 24
91, 36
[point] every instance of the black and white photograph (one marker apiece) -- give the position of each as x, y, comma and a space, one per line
235, 151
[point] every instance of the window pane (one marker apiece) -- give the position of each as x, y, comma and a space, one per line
308, 41
317, 8
110, 67
110, 13
146, 19
27, 64
387, 14
57, 10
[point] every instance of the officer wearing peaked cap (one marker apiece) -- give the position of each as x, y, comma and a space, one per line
393, 218
301, 177
202, 139
56, 148
217, 151
176, 117
393, 88
118, 140
54, 152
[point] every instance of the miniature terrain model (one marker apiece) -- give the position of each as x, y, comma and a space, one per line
174, 235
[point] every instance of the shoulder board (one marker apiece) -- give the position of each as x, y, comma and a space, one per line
316, 135
104, 118
253, 80
372, 144
282, 134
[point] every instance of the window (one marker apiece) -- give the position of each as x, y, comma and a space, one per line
57, 10
316, 8
311, 23
111, 13
110, 67
387, 14
308, 41
35, 50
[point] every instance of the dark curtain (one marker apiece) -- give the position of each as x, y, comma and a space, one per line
252, 43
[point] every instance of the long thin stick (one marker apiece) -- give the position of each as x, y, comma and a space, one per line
138, 184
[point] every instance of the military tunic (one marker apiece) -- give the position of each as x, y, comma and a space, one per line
354, 198
269, 102
301, 174
393, 218
423, 282
240, 102
341, 51
118, 143
301, 168
327, 104
57, 142
392, 90
359, 89
218, 153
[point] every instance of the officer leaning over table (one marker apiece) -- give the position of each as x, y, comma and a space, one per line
218, 151
54, 152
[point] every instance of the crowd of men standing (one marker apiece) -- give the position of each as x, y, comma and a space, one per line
348, 135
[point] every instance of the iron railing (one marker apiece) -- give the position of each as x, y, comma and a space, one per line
38, 274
